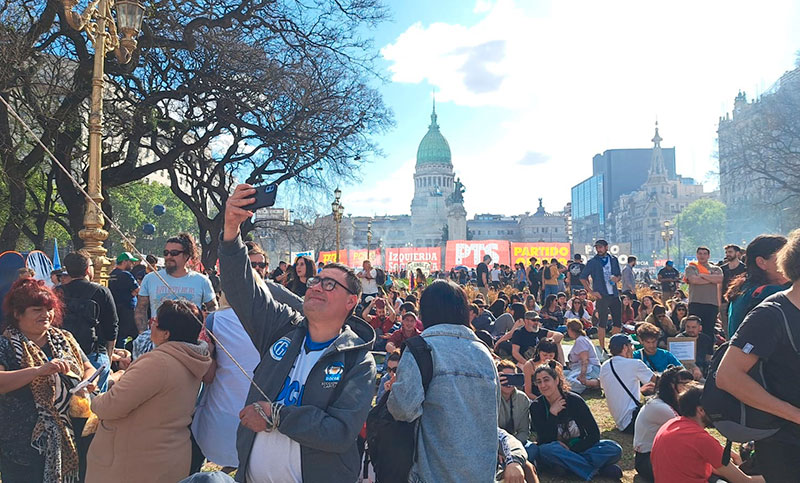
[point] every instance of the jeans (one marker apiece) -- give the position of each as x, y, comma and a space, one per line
708, 316
550, 290
98, 359
643, 466
606, 304
585, 465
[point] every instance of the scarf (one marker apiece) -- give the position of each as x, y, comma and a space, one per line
52, 435
701, 269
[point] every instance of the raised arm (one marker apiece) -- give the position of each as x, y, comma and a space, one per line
259, 313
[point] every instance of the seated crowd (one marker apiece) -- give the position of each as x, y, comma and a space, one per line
293, 357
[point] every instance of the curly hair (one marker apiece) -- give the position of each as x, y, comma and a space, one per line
29, 292
648, 331
187, 242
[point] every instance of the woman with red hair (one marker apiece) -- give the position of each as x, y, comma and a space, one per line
39, 364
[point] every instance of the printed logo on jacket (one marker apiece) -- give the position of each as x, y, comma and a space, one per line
279, 348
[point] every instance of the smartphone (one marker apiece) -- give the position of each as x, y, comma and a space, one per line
515, 380
265, 197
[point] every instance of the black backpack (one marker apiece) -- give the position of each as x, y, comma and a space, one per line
81, 316
391, 444
731, 417
380, 277
547, 273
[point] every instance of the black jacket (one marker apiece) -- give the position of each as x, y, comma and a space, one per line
546, 424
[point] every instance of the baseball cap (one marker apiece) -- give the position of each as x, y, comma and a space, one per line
479, 302
618, 341
126, 257
670, 263
601, 242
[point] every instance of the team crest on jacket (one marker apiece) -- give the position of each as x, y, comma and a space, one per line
333, 373
279, 348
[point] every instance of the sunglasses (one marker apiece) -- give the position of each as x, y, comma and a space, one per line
328, 284
258, 264
391, 369
172, 253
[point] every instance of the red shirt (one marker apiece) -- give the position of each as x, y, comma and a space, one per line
685, 452
398, 337
384, 324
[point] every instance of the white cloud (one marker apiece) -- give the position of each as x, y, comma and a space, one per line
390, 195
591, 76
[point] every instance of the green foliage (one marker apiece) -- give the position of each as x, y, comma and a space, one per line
132, 206
703, 223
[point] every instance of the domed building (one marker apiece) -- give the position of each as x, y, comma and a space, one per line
437, 210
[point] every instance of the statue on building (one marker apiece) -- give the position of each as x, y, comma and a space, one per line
458, 192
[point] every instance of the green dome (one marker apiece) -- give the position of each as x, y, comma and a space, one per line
433, 149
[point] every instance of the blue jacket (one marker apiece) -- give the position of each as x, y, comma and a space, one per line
457, 439
594, 269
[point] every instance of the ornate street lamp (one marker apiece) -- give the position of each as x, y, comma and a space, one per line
666, 234
337, 209
369, 237
98, 22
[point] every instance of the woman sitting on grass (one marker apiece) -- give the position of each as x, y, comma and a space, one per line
546, 350
567, 436
584, 366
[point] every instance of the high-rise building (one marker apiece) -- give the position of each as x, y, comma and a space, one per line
615, 172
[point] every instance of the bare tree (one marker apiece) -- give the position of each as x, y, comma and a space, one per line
251, 90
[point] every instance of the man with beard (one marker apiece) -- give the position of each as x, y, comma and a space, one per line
185, 284
684, 440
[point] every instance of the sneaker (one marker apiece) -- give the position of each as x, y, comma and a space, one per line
611, 471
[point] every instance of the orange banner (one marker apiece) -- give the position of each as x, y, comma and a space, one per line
399, 258
522, 252
357, 258
330, 257
469, 253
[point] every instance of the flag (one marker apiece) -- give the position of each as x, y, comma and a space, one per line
56, 258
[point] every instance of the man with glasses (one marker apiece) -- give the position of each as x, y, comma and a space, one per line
186, 284
316, 370
258, 259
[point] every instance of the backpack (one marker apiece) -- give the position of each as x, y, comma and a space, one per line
548, 272
81, 317
731, 417
392, 444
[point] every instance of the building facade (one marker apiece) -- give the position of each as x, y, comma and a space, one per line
638, 217
757, 154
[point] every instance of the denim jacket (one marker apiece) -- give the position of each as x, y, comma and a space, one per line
457, 438
594, 269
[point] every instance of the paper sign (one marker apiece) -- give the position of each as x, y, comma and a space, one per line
683, 348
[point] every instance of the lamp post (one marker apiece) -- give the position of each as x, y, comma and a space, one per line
337, 209
666, 234
98, 22
369, 237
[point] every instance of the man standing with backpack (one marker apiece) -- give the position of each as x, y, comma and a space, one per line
770, 336
604, 271
89, 314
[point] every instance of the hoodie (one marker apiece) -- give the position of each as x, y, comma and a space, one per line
143, 433
338, 390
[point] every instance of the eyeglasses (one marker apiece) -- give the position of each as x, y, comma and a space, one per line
328, 284
172, 253
258, 264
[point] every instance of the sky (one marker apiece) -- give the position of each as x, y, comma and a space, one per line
528, 91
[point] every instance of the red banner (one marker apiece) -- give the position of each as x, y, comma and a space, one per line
522, 252
357, 258
469, 253
399, 258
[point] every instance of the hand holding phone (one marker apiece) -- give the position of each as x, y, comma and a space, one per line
264, 197
512, 380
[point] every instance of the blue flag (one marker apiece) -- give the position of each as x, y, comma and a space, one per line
56, 258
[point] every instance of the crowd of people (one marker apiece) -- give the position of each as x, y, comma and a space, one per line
273, 374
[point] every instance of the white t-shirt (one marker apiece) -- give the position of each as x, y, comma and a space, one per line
370, 285
216, 417
583, 344
496, 275
275, 458
650, 419
194, 287
572, 315
633, 373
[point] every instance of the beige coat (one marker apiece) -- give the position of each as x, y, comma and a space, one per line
143, 435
